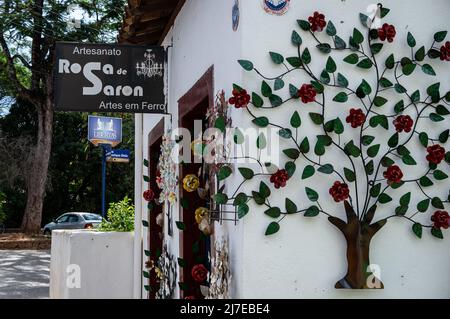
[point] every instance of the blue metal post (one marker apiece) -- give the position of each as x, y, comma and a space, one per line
104, 147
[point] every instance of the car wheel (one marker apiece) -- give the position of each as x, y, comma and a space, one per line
47, 232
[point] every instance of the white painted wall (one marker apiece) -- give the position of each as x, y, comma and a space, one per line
105, 260
307, 256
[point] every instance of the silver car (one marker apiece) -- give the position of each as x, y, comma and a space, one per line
74, 220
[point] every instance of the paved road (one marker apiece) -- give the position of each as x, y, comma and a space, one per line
24, 274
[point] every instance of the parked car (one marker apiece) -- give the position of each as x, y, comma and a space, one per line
74, 220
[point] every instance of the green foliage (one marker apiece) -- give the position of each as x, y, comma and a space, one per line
120, 217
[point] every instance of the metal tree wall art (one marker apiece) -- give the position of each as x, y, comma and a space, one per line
375, 137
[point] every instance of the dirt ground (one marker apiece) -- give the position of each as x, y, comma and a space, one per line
23, 241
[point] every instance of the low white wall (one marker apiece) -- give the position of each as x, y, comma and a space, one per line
105, 261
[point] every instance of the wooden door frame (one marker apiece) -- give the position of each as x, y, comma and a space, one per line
202, 90
153, 136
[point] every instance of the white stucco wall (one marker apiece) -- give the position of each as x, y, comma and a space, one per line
307, 256
105, 261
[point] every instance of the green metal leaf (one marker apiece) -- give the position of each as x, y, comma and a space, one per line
384, 198
257, 100
243, 210
290, 168
180, 225
357, 36
393, 140
294, 61
304, 146
375, 190
417, 229
317, 118
224, 172
339, 43
308, 171
423, 138
443, 137
440, 36
349, 175
376, 48
352, 58
240, 199
273, 228
273, 212
437, 203
437, 232
276, 57
292, 153
247, 173
312, 211
341, 97
306, 56
296, 120
373, 150
425, 181
324, 48
331, 65
264, 190
385, 83
423, 205
220, 198
304, 25
379, 101
326, 169
365, 64
266, 90
342, 80
261, 121
420, 54
285, 133
296, 38
411, 40
331, 29
312, 194
428, 69
278, 84
246, 65
291, 208
390, 62
405, 199
367, 140
439, 175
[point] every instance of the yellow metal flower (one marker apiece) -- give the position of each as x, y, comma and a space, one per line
197, 147
172, 197
200, 214
191, 183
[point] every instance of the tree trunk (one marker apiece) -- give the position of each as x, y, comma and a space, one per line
37, 179
358, 234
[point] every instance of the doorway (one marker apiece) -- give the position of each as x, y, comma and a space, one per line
194, 245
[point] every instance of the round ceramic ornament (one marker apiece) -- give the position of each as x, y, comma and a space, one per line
277, 7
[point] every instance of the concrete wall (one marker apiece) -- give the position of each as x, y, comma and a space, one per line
307, 256
105, 261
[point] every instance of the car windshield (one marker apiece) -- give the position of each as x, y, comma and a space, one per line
92, 217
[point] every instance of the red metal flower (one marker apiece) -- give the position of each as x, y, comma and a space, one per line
387, 31
403, 123
436, 153
393, 174
307, 93
445, 51
149, 195
356, 118
199, 273
440, 219
240, 98
279, 178
317, 21
339, 191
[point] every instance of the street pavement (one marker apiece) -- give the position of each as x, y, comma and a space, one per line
24, 274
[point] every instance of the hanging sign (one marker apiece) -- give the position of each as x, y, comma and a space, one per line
278, 7
104, 130
109, 78
118, 156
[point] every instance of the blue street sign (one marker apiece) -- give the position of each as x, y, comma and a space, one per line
118, 156
104, 130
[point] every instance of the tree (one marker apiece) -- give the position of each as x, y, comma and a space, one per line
372, 170
28, 31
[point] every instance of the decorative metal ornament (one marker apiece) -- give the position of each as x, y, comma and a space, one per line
166, 271
277, 7
220, 276
235, 15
